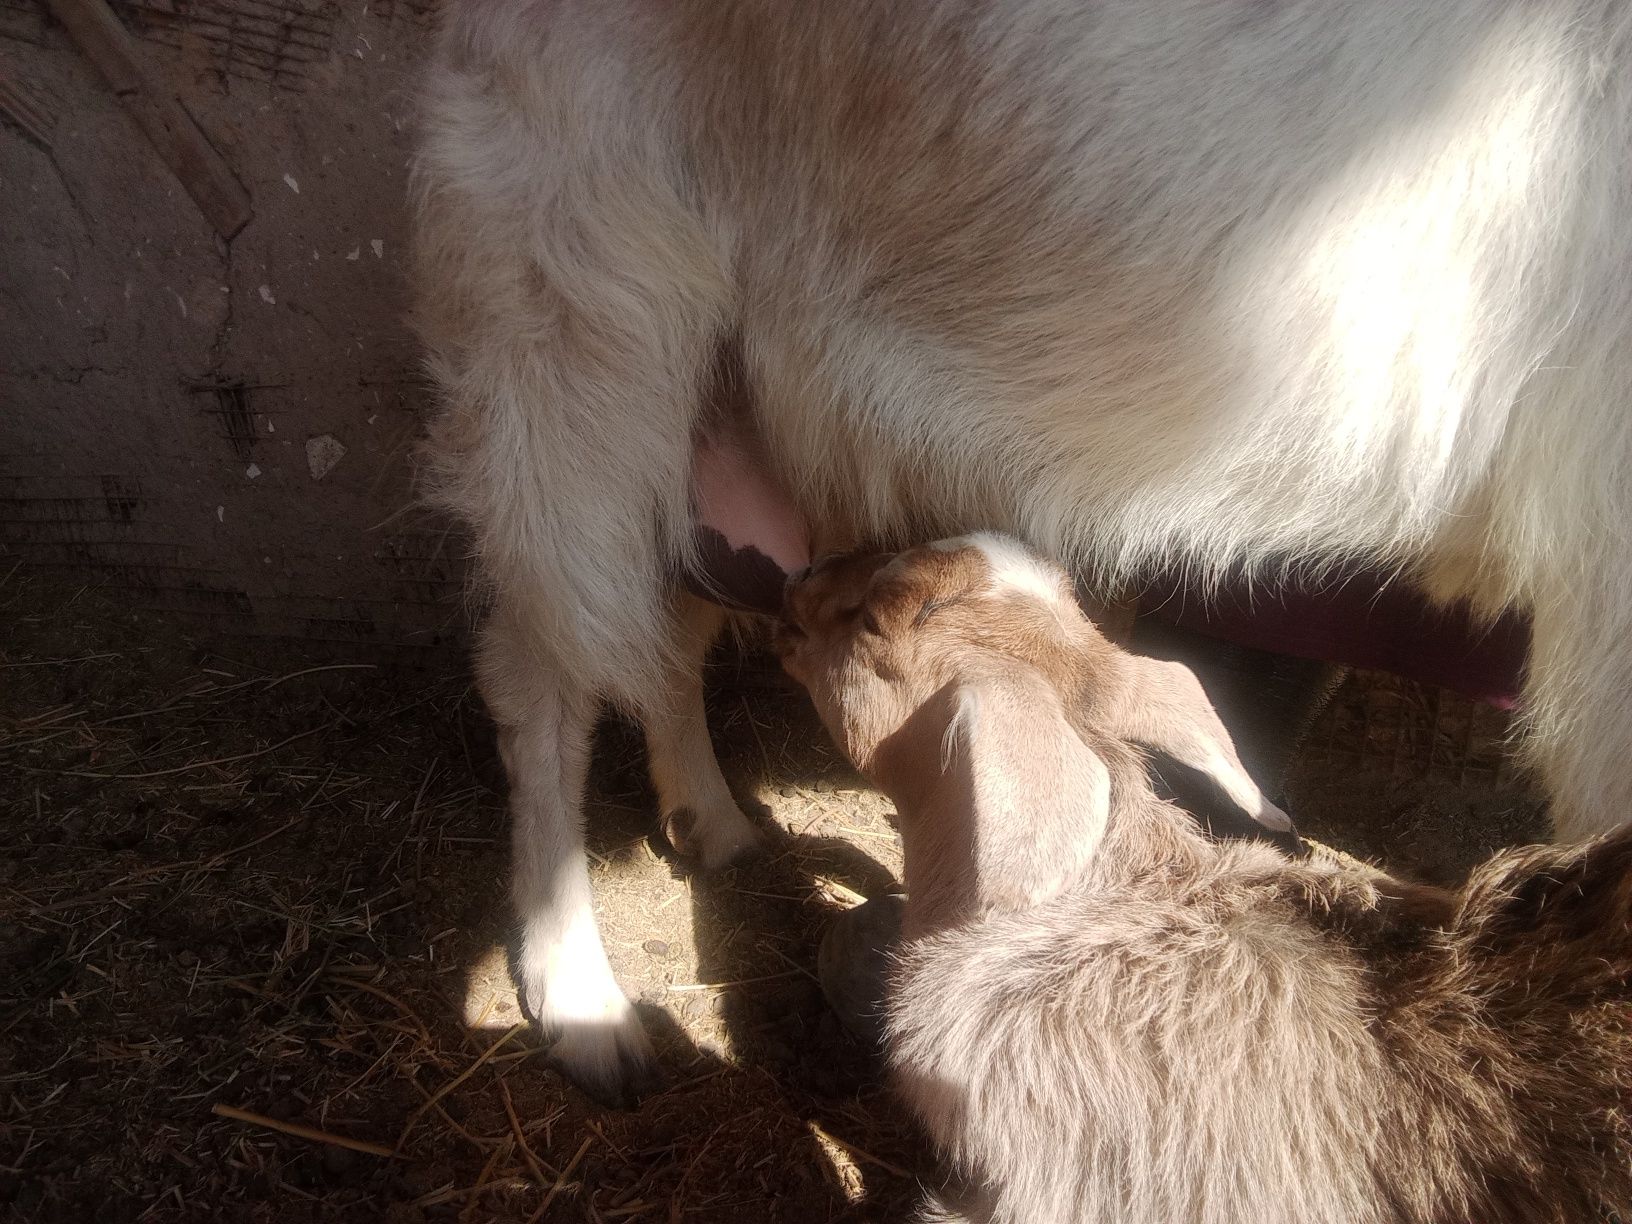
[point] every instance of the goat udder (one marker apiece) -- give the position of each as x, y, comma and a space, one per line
748, 535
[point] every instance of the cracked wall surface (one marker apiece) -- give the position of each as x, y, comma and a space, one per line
221, 431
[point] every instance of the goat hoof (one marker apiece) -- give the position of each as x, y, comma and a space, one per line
853, 965
610, 1062
595, 1038
715, 841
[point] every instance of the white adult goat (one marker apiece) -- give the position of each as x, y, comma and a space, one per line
1199, 282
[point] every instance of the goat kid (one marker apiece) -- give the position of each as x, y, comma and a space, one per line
1197, 283
1100, 1015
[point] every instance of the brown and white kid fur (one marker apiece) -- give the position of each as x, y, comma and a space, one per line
1202, 282
1100, 1015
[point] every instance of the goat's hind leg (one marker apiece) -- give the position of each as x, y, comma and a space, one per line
545, 722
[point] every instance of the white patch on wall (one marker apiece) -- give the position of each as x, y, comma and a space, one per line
322, 453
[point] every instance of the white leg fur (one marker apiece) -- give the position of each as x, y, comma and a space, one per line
566, 984
700, 817
1578, 707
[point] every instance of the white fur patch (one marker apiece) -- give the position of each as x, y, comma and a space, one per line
1015, 568
960, 726
1240, 787
572, 965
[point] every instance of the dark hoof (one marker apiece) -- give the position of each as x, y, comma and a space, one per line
853, 965
613, 1065
729, 839
678, 827
622, 1087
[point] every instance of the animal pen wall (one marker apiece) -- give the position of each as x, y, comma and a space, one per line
218, 430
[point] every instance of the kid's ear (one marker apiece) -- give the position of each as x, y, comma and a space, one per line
1038, 797
1163, 707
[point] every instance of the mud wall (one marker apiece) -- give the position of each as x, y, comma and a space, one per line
220, 430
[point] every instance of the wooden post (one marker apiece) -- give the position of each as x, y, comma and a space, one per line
103, 40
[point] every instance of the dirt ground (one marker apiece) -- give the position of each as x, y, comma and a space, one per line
282, 892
